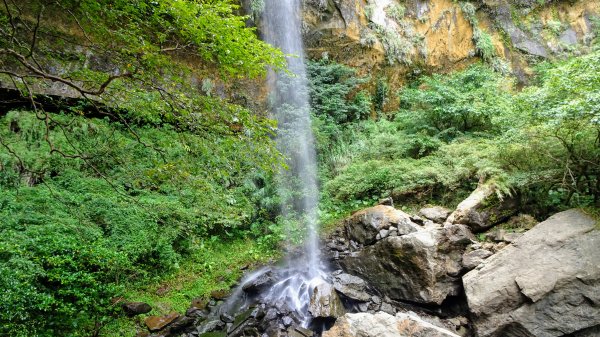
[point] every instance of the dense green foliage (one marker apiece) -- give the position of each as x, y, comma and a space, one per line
454, 132
76, 230
143, 56
176, 190
93, 208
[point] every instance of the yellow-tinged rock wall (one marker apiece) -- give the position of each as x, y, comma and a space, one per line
441, 34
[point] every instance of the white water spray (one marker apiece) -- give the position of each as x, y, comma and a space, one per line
289, 97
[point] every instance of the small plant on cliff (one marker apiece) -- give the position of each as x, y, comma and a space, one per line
369, 11
484, 46
367, 38
396, 12
554, 26
397, 47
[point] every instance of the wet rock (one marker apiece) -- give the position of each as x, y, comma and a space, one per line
226, 318
474, 258
181, 324
261, 282
136, 308
214, 334
483, 209
156, 323
299, 332
324, 302
364, 226
547, 283
271, 314
210, 326
436, 213
244, 323
351, 286
385, 325
287, 321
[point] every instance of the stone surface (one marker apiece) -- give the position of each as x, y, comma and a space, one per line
482, 209
364, 226
385, 325
502, 235
351, 286
156, 323
436, 213
474, 258
569, 37
259, 283
545, 284
421, 267
324, 301
136, 308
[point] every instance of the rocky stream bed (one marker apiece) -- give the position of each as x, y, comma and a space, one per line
395, 274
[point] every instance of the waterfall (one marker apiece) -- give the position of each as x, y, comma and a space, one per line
290, 105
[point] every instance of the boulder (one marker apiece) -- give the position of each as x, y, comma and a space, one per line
363, 226
351, 286
136, 308
260, 282
474, 258
382, 324
483, 209
421, 267
436, 213
156, 323
325, 302
545, 284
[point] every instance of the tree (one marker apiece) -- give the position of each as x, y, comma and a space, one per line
117, 51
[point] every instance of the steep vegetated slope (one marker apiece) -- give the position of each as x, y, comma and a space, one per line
128, 173
119, 169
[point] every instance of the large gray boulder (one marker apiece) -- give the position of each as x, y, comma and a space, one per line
363, 226
422, 266
545, 284
351, 286
382, 324
324, 301
483, 209
435, 213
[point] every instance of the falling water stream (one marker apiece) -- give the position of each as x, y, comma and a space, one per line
290, 105
300, 274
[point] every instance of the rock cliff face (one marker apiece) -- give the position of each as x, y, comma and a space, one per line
399, 39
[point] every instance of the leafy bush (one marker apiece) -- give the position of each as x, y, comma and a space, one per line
458, 130
76, 231
395, 11
332, 92
556, 144
467, 101
484, 45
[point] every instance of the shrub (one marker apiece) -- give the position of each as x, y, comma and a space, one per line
77, 231
467, 101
